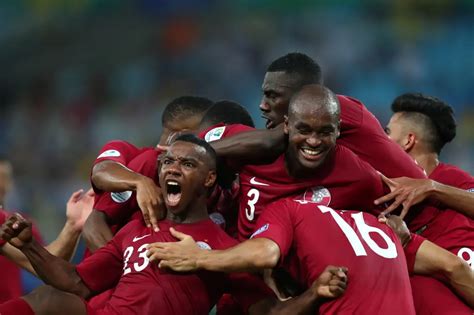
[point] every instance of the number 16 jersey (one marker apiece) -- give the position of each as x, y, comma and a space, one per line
310, 237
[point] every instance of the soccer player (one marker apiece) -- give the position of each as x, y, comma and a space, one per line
78, 207
360, 131
422, 125
110, 173
187, 173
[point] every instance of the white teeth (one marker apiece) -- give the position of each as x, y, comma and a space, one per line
311, 151
173, 183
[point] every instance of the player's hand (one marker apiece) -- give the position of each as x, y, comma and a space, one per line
405, 192
179, 256
79, 207
17, 231
151, 203
398, 226
331, 283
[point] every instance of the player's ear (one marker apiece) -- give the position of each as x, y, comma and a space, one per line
285, 124
410, 142
210, 179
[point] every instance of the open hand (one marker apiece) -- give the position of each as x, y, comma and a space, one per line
151, 203
405, 192
78, 208
178, 256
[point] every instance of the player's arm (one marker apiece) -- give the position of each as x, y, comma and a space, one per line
331, 283
435, 261
96, 231
77, 210
185, 255
411, 191
53, 270
432, 260
252, 146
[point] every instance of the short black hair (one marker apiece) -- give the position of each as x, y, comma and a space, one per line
189, 137
227, 112
299, 63
440, 125
185, 106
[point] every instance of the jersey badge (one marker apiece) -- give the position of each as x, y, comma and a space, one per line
109, 153
317, 194
121, 197
214, 134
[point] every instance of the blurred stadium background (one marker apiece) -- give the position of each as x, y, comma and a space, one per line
75, 74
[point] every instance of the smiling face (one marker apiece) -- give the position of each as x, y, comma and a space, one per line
312, 127
185, 176
278, 88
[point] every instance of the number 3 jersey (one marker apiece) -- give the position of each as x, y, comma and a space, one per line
143, 288
310, 237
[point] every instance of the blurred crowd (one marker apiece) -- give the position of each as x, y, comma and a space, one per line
76, 76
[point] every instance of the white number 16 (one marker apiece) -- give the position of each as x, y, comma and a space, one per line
365, 230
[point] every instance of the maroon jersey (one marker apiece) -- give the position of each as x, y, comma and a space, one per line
119, 207
312, 237
362, 133
119, 151
451, 229
143, 288
10, 273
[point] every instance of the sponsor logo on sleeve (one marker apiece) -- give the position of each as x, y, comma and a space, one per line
203, 245
214, 134
318, 194
109, 153
121, 197
260, 230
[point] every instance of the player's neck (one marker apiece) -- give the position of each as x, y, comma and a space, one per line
427, 160
195, 212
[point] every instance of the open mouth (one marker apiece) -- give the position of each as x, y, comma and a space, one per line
269, 124
311, 153
173, 192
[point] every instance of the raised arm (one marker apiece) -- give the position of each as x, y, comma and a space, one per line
53, 270
113, 176
185, 255
254, 147
78, 209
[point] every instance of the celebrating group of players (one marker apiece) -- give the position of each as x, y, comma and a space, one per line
295, 219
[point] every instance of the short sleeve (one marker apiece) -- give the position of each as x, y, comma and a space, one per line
220, 131
103, 269
276, 223
411, 249
248, 289
118, 151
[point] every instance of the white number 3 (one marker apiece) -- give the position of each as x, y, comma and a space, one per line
365, 230
253, 194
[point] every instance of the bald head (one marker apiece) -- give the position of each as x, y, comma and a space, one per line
313, 99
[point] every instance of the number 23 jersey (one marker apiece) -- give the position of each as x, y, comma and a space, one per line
143, 288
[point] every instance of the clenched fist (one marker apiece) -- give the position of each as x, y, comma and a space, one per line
17, 231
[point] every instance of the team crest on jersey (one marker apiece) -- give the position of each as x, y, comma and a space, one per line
218, 219
214, 134
121, 197
109, 153
260, 230
318, 194
203, 245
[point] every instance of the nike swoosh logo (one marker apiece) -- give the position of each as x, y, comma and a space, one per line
254, 182
137, 238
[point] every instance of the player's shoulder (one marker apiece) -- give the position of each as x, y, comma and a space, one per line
147, 154
453, 175
136, 225
221, 130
